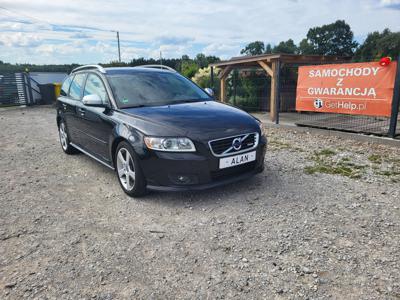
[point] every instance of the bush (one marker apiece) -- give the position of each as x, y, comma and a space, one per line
203, 77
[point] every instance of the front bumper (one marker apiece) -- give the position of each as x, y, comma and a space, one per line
166, 171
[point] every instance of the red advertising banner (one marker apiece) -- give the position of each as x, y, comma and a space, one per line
356, 88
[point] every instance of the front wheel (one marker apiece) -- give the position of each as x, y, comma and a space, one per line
128, 170
64, 139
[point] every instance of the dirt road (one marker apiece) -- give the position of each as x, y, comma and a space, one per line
322, 221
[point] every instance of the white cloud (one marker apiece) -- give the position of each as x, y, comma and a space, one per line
390, 2
395, 4
224, 51
178, 27
19, 39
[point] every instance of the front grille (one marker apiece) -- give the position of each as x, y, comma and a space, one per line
224, 146
233, 171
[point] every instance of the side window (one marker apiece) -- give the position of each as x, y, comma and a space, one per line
94, 85
75, 90
65, 86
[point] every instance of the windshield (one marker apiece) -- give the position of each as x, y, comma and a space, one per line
153, 88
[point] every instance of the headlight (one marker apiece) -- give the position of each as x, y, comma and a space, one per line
180, 144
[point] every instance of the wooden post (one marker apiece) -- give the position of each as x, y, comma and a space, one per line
222, 76
212, 78
273, 110
271, 72
222, 90
277, 74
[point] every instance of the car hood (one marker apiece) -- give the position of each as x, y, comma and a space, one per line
202, 120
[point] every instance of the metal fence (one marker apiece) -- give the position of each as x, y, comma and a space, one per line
348, 123
250, 89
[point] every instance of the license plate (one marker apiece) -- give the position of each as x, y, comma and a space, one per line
236, 160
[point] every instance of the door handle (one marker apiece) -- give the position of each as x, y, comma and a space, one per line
82, 111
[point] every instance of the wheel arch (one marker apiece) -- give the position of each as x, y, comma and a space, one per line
125, 133
114, 146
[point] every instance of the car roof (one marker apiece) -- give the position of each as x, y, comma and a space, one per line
130, 70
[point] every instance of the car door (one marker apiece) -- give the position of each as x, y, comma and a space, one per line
74, 99
66, 107
96, 121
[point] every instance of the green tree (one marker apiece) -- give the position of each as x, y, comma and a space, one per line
378, 45
254, 48
305, 47
189, 68
268, 49
185, 57
332, 39
286, 47
212, 59
201, 60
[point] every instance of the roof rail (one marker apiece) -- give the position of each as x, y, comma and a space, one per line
88, 67
157, 67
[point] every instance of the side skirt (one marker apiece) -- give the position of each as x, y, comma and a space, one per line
92, 156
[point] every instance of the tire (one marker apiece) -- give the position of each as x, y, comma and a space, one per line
128, 170
64, 139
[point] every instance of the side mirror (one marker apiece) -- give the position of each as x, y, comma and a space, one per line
92, 100
209, 92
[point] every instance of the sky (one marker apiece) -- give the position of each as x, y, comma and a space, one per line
48, 31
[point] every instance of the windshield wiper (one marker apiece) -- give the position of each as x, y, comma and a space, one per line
136, 106
188, 101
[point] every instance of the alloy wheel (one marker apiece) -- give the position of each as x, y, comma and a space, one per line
63, 136
126, 169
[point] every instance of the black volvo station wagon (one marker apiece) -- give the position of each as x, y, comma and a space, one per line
157, 129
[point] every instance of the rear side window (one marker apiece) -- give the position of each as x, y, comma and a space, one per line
65, 86
75, 91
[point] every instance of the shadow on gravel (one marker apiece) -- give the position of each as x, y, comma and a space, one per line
226, 194
266, 182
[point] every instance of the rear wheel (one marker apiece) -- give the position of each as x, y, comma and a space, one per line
64, 139
128, 170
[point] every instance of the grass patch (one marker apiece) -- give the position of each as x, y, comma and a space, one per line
388, 173
325, 164
325, 152
326, 161
343, 168
279, 144
298, 149
375, 158
393, 170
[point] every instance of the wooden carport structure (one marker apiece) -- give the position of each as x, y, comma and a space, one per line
271, 64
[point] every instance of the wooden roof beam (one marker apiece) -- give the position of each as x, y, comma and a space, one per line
266, 68
225, 72
286, 58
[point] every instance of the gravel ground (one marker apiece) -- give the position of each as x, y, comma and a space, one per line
322, 221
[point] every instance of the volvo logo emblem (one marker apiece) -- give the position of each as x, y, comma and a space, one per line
237, 144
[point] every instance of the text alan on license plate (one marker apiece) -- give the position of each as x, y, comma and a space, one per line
236, 160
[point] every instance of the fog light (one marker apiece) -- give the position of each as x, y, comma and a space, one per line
183, 179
